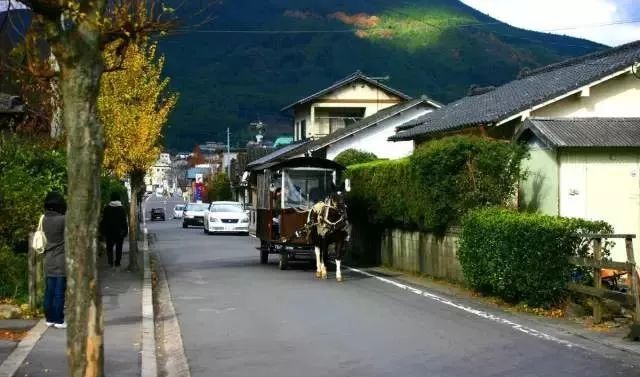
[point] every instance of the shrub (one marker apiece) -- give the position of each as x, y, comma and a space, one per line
109, 185
219, 188
13, 279
522, 257
28, 171
354, 156
438, 184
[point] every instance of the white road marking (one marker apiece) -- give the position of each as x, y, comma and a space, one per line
479, 313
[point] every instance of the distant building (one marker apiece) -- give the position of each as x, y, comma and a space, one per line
158, 177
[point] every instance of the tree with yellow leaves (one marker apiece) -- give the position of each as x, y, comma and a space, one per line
134, 107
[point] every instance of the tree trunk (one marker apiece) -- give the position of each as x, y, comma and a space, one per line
136, 178
81, 68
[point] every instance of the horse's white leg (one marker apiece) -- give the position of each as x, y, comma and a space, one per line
338, 271
318, 262
323, 268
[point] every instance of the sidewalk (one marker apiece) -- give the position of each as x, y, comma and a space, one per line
122, 307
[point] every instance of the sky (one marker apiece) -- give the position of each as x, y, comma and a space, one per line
578, 18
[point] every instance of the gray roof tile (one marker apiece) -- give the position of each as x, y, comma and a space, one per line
537, 87
583, 132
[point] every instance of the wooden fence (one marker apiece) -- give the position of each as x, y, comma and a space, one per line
630, 299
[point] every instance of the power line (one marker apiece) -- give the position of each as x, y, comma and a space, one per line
353, 30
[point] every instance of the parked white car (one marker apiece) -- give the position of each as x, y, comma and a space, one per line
178, 211
226, 217
194, 214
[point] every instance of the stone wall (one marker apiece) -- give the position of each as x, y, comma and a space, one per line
422, 253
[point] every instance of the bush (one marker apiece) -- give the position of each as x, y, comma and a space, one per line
28, 171
219, 188
354, 156
13, 279
438, 184
522, 257
109, 185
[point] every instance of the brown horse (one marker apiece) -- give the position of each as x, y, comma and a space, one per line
328, 224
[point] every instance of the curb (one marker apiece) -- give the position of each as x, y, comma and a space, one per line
11, 365
149, 366
175, 363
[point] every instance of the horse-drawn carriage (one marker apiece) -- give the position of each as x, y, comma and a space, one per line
283, 195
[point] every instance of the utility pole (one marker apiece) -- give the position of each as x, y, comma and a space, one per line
229, 153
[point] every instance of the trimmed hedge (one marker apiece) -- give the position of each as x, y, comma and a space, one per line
438, 184
354, 156
520, 256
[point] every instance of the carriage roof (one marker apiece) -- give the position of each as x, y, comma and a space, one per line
300, 162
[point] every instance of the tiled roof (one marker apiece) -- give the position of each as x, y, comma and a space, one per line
584, 132
303, 147
10, 104
279, 154
345, 81
535, 88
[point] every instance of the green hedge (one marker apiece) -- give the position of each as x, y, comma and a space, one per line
28, 171
522, 257
438, 184
354, 156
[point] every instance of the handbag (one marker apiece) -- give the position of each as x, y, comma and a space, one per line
39, 240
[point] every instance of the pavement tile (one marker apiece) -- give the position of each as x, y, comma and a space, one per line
122, 306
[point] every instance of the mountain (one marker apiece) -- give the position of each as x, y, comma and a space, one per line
436, 47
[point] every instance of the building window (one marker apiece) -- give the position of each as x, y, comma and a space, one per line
303, 129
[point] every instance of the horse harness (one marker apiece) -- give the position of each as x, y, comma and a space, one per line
323, 224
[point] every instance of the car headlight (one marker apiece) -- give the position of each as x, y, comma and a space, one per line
214, 219
245, 220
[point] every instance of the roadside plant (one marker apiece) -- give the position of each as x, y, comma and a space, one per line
436, 186
354, 156
522, 257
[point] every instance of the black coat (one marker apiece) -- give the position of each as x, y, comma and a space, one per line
114, 221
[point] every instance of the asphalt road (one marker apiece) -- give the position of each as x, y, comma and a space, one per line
240, 318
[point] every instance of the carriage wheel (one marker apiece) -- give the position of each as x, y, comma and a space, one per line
284, 260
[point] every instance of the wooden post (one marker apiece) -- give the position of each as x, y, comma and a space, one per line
32, 268
597, 281
635, 291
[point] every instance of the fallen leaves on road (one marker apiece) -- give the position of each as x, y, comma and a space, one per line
12, 335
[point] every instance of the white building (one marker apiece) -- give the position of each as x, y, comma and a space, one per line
340, 105
158, 177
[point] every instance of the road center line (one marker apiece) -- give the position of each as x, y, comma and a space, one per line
479, 313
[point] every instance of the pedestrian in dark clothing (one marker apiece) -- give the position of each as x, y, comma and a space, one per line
114, 228
55, 265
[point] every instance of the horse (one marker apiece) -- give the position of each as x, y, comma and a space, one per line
327, 224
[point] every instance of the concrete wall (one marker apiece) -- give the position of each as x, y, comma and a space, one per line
422, 253
618, 97
539, 191
375, 138
603, 184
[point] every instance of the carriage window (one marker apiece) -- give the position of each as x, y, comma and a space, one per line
304, 188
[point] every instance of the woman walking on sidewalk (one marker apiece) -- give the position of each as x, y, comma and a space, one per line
55, 264
114, 228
